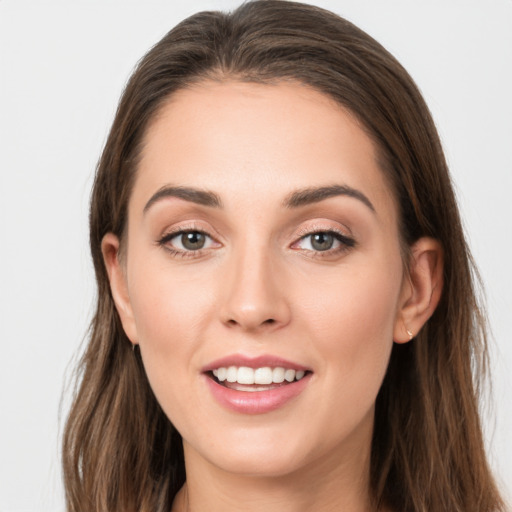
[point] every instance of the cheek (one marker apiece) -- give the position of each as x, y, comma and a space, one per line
171, 310
363, 301
169, 306
351, 328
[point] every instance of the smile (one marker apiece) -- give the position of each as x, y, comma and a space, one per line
262, 376
255, 385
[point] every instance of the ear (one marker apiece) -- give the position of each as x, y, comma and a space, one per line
421, 289
118, 284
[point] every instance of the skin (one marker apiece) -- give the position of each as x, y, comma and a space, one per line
260, 287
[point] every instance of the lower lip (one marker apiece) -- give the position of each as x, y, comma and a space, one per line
256, 402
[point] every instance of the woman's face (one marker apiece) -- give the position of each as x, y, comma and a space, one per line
262, 235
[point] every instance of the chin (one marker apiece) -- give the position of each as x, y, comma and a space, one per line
252, 455
265, 464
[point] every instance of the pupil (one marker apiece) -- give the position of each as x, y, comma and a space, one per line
322, 241
193, 240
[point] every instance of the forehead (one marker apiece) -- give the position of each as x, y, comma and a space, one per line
257, 141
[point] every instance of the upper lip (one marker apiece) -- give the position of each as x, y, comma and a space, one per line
254, 362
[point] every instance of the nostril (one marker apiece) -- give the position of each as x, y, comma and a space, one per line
250, 323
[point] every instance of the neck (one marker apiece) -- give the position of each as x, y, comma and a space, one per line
325, 485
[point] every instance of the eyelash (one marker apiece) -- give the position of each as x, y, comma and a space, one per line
179, 253
346, 243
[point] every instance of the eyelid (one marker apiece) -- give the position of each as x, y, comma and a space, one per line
189, 226
322, 226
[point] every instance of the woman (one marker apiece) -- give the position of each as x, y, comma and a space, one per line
286, 317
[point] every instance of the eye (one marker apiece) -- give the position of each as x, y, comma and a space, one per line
323, 241
187, 241
192, 240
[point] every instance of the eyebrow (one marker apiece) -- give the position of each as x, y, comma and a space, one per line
194, 195
313, 195
296, 199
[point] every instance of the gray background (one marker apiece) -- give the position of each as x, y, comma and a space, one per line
62, 68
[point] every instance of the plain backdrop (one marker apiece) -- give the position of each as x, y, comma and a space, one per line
62, 68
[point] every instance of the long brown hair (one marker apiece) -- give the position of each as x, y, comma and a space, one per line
120, 451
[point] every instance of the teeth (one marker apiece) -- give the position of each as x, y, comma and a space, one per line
278, 375
245, 375
265, 375
289, 375
231, 374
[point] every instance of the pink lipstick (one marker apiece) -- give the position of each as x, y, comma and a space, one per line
255, 385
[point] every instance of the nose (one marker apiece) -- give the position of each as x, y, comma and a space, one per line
254, 293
